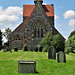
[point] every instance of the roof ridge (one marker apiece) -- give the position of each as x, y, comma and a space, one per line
27, 10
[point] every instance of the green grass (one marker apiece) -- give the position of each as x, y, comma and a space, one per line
44, 66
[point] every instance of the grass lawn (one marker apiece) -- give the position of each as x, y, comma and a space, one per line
44, 66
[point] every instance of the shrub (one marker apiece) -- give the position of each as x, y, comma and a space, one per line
36, 49
53, 40
7, 48
46, 48
70, 44
46, 42
25, 48
16, 49
58, 42
40, 48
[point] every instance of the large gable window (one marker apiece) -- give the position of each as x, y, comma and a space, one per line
38, 29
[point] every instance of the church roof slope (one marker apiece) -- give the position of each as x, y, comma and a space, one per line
27, 10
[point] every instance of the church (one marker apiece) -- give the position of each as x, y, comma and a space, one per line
38, 19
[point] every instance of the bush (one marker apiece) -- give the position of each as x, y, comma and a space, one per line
16, 49
46, 42
46, 48
58, 43
70, 44
53, 40
25, 48
36, 49
7, 48
40, 48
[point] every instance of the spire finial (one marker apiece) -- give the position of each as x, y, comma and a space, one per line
38, 0
35, 1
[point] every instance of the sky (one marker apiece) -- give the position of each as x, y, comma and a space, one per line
11, 14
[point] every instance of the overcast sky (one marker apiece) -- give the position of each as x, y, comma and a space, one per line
11, 14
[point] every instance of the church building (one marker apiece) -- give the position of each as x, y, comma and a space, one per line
38, 19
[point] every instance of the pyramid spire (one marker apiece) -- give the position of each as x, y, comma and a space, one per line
35, 1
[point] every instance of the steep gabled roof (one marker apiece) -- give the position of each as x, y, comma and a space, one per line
22, 26
27, 10
29, 13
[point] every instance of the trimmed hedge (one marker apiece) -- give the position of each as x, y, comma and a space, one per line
16, 49
40, 49
36, 49
25, 48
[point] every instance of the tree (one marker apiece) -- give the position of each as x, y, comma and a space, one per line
53, 40
47, 41
70, 44
58, 42
72, 33
73, 42
6, 34
0, 40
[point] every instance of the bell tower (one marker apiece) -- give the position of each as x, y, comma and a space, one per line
35, 1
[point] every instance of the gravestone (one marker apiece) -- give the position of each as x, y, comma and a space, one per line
52, 53
26, 66
4, 50
61, 58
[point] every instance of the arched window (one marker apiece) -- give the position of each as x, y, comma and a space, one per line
38, 29
41, 32
38, 33
35, 32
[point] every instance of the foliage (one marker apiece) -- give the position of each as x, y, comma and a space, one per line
0, 40
36, 49
25, 48
58, 42
70, 44
7, 33
46, 48
47, 41
72, 33
40, 48
55, 40
73, 42
8, 49
16, 49
6, 44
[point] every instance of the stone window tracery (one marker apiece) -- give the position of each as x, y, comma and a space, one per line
17, 37
38, 29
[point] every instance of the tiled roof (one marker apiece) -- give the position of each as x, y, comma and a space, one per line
27, 10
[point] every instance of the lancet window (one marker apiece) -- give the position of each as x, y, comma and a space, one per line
38, 29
